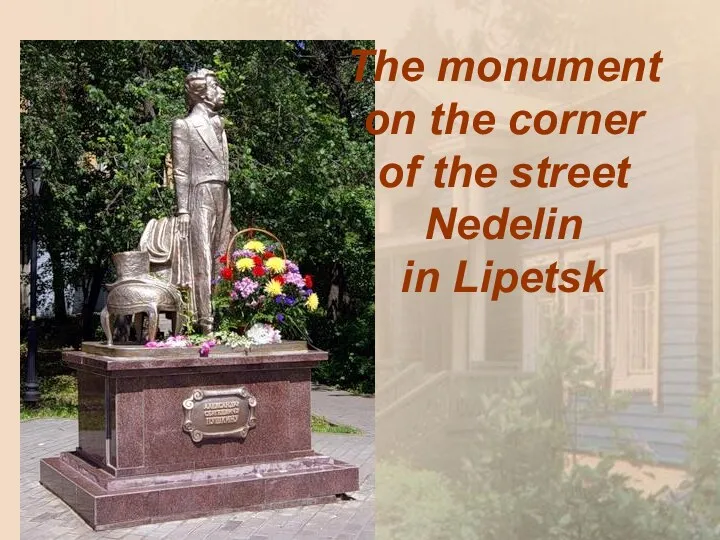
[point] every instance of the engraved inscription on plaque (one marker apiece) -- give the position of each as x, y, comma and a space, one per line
219, 413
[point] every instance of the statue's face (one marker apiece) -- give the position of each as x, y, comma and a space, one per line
214, 94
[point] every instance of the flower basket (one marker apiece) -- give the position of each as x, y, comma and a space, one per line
232, 241
260, 292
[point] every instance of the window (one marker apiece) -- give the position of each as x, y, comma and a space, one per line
546, 307
631, 287
635, 314
539, 311
585, 311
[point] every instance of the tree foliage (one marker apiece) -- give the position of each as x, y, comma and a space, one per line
98, 115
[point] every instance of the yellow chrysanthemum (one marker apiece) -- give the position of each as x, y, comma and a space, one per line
255, 245
276, 264
245, 264
273, 288
312, 302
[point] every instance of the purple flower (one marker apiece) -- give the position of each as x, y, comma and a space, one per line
292, 267
236, 254
233, 295
246, 286
294, 278
280, 317
289, 301
205, 348
280, 299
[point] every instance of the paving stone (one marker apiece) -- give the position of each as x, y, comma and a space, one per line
44, 517
231, 525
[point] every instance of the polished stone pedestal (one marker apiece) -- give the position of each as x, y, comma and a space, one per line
171, 437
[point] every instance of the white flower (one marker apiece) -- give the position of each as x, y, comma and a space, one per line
171, 342
263, 334
178, 342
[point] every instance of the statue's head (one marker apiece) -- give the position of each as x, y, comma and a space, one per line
202, 86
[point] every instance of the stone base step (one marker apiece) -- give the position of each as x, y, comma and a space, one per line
166, 497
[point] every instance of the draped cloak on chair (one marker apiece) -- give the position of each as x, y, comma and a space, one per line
170, 255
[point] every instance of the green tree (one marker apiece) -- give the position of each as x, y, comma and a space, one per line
301, 168
98, 115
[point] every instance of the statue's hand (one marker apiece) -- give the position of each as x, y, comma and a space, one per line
183, 225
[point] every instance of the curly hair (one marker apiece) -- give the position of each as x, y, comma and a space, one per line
195, 86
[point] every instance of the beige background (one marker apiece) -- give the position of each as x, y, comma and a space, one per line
443, 331
436, 352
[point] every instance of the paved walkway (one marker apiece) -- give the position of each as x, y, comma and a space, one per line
45, 517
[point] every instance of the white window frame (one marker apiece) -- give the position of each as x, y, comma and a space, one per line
622, 378
579, 256
531, 303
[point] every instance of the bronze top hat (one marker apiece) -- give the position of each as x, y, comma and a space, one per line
131, 264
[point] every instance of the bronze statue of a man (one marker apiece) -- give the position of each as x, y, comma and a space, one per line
200, 169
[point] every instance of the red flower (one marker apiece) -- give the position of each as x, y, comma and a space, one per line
308, 281
226, 273
257, 260
279, 279
223, 259
268, 254
258, 271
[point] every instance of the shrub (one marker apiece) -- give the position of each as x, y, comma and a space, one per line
351, 342
704, 458
415, 504
517, 486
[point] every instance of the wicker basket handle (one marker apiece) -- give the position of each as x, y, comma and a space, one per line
251, 229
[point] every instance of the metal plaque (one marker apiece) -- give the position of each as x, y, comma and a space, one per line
219, 413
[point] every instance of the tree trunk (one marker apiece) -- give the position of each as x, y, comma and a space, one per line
96, 283
337, 297
58, 284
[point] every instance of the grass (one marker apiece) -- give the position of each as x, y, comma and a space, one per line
59, 400
358, 393
320, 424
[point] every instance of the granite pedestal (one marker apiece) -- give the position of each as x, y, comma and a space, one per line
169, 435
